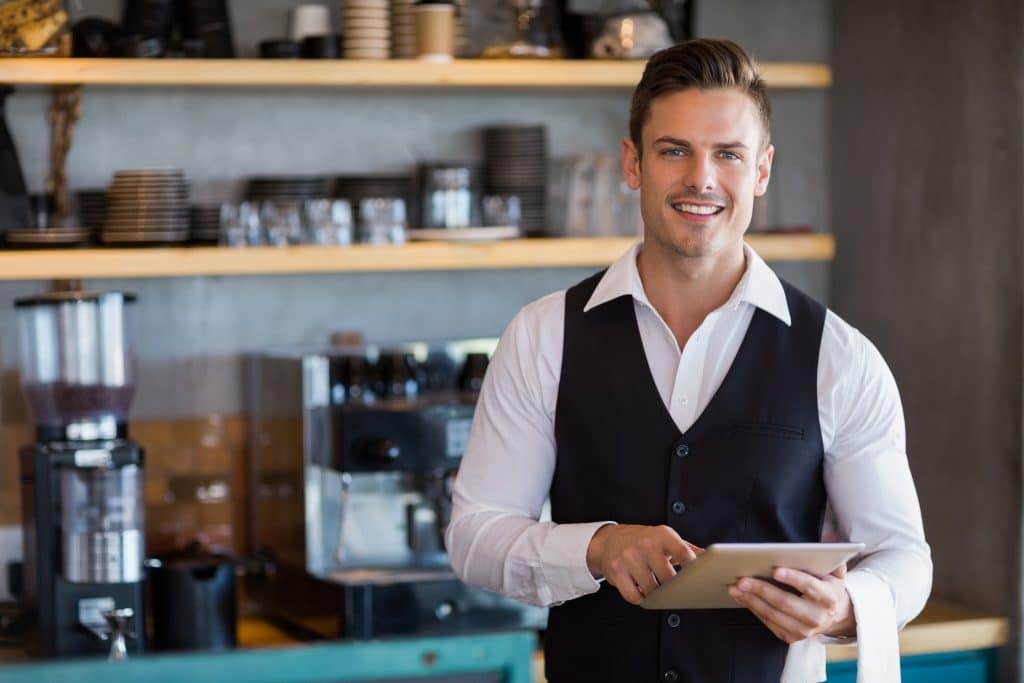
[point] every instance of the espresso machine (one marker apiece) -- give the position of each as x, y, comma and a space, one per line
353, 456
81, 481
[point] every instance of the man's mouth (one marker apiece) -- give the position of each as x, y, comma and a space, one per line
697, 210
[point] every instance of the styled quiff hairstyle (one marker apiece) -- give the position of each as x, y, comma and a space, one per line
706, 64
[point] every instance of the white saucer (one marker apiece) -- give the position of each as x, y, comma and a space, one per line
488, 234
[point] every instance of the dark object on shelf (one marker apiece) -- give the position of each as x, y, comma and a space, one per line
14, 206
16, 578
139, 47
42, 210
209, 22
149, 19
194, 605
321, 47
95, 37
279, 49
471, 377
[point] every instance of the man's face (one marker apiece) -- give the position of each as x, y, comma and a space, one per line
703, 161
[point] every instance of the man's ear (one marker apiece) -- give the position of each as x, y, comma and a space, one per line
631, 164
764, 170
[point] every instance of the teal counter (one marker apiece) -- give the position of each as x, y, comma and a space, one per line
481, 658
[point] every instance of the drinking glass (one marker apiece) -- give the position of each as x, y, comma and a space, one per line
382, 220
329, 222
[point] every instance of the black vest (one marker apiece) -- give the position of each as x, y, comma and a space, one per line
749, 469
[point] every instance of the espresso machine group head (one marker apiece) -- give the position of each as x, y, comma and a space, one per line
81, 481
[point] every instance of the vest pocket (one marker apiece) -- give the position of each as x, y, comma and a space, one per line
770, 430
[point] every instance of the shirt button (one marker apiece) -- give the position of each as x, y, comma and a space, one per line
682, 450
671, 676
678, 507
673, 620
683, 400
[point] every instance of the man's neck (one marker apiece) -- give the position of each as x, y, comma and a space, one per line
684, 290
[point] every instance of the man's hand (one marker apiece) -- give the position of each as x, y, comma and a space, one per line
823, 605
637, 559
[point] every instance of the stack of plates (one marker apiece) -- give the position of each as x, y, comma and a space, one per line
403, 29
92, 209
366, 27
357, 188
462, 42
146, 206
204, 224
516, 160
287, 188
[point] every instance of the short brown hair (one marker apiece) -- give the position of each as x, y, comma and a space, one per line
704, 63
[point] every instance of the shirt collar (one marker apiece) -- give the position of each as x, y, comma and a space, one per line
759, 286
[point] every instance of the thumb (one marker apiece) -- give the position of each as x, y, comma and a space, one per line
840, 571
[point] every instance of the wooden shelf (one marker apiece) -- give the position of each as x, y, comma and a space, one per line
55, 264
389, 73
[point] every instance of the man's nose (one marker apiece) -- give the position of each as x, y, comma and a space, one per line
700, 174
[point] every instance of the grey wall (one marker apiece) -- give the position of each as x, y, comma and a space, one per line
191, 330
927, 171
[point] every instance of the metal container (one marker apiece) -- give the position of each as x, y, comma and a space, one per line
194, 604
77, 360
102, 524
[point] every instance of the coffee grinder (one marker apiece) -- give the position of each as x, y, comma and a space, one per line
81, 481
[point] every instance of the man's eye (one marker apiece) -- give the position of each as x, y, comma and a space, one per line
673, 152
725, 154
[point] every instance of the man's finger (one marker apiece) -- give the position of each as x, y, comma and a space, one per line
810, 586
626, 587
798, 609
840, 571
783, 625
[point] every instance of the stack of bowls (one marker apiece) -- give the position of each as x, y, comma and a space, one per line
403, 29
366, 27
287, 188
516, 161
204, 224
146, 206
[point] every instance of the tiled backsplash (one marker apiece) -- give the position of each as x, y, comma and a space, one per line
195, 480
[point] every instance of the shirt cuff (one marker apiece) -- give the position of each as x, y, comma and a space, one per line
564, 562
878, 642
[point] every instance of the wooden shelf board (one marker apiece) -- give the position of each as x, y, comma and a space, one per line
941, 628
468, 73
197, 261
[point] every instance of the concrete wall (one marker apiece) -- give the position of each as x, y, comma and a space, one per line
927, 170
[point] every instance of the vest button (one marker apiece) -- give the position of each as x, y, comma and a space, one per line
678, 507
682, 450
671, 676
673, 620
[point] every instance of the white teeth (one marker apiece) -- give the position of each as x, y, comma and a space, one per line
700, 209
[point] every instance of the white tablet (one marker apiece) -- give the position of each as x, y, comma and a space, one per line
704, 583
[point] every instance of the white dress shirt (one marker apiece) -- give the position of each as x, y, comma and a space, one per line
496, 538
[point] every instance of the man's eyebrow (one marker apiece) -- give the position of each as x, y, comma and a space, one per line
672, 141
669, 140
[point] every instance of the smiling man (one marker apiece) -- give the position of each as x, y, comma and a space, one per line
687, 396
